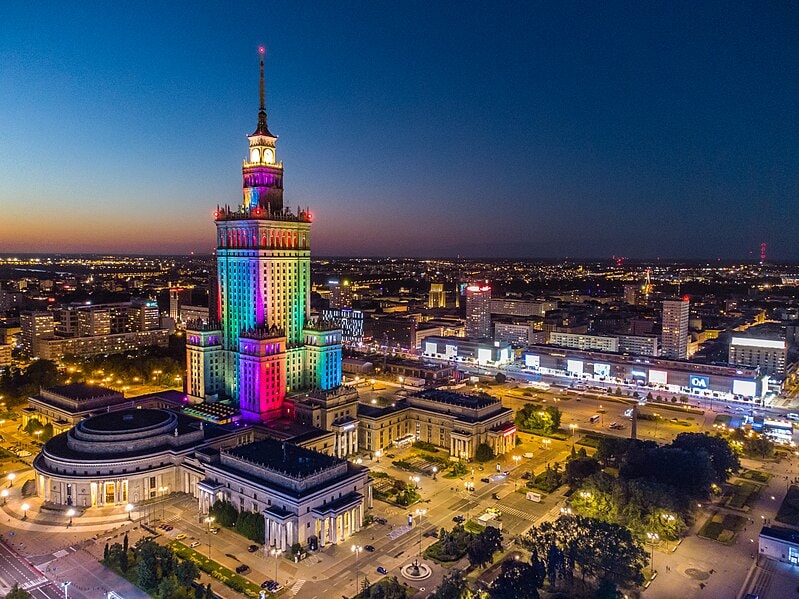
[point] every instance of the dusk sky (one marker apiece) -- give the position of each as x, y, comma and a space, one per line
518, 129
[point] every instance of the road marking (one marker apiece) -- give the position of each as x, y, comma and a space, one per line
297, 586
34, 583
398, 532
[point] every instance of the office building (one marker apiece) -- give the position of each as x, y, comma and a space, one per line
341, 295
597, 342
768, 354
674, 333
478, 312
521, 308
437, 298
178, 297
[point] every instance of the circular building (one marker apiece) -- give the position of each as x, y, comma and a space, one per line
117, 458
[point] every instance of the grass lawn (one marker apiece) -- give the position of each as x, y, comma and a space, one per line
755, 475
722, 528
743, 493
789, 510
591, 439
216, 570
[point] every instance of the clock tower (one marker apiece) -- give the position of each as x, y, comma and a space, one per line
262, 174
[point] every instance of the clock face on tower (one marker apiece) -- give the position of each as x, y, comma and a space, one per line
269, 156
254, 155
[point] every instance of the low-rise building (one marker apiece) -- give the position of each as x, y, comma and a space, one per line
466, 350
302, 494
781, 544
454, 421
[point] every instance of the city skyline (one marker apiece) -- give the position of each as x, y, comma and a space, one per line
579, 132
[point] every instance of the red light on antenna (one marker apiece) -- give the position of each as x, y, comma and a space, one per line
686, 298
309, 216
261, 50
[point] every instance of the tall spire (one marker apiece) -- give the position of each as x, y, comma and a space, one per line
262, 128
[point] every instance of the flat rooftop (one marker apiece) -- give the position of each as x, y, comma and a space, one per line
284, 457
78, 391
456, 399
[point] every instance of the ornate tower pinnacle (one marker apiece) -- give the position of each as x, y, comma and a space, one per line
262, 128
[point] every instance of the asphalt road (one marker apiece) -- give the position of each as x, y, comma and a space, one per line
15, 569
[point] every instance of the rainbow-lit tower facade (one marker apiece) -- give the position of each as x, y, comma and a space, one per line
264, 343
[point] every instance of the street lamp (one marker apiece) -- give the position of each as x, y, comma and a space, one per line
70, 513
11, 476
210, 520
657, 421
420, 513
276, 552
356, 549
653, 538
435, 471
378, 453
162, 491
25, 507
129, 509
4, 495
65, 586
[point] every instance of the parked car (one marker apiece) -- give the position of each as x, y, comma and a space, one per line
792, 416
495, 496
242, 569
382, 570
485, 480
369, 548
459, 519
194, 544
181, 536
265, 584
214, 531
381, 521
252, 548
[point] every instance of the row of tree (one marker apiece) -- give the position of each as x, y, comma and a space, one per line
247, 524
156, 569
454, 544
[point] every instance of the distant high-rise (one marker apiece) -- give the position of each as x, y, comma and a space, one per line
341, 295
632, 294
478, 311
674, 335
437, 297
177, 298
35, 326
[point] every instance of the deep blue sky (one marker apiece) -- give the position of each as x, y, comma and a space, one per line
411, 128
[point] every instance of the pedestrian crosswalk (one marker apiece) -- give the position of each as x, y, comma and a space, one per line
34, 583
518, 513
398, 532
297, 586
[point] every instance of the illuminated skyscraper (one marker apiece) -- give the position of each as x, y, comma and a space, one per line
674, 335
478, 311
264, 344
437, 297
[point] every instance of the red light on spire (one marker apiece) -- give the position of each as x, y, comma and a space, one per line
261, 50
686, 298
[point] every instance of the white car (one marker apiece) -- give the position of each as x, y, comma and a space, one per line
24, 453
792, 416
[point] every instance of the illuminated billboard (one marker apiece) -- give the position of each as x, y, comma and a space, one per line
601, 369
532, 361
430, 347
699, 383
658, 377
483, 355
745, 388
451, 351
574, 366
